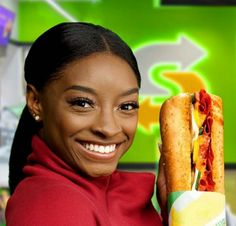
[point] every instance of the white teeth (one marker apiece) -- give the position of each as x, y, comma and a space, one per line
100, 148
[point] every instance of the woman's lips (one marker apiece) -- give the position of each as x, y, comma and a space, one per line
99, 151
100, 148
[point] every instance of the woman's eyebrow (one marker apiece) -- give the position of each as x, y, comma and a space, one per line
81, 88
92, 91
130, 91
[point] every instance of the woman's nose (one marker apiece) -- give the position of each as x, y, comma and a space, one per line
107, 124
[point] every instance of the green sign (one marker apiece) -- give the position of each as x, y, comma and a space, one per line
179, 49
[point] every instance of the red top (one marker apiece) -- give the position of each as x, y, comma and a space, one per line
54, 194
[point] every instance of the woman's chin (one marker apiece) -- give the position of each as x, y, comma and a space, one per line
101, 172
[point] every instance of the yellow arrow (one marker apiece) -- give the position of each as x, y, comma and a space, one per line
188, 81
148, 113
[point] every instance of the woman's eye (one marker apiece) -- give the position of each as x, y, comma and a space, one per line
129, 106
82, 102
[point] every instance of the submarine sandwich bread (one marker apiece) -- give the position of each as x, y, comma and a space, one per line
191, 127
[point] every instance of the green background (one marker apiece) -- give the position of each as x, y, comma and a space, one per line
142, 22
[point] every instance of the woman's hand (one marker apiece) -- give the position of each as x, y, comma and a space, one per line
161, 191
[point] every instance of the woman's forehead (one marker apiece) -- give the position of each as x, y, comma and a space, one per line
100, 66
97, 72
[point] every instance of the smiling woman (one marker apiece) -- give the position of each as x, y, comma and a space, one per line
80, 118
82, 121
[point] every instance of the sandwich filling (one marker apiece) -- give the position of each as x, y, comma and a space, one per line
202, 154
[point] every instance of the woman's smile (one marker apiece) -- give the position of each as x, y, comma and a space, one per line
100, 148
99, 152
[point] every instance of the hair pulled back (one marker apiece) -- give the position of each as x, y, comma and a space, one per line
47, 57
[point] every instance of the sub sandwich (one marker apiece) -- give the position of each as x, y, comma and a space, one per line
191, 127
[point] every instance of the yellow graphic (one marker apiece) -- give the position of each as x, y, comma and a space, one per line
188, 81
207, 208
148, 113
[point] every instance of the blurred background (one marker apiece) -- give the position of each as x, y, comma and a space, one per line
180, 45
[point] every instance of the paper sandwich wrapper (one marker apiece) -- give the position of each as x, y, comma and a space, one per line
196, 208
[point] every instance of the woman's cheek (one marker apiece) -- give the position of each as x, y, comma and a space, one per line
131, 126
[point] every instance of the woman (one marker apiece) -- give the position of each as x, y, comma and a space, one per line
81, 117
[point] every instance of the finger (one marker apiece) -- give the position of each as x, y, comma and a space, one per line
161, 182
161, 190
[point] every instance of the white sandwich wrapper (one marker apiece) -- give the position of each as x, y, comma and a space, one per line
196, 208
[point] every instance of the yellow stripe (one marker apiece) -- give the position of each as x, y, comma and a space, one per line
196, 143
195, 151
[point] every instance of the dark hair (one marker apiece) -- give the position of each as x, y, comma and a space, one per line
48, 56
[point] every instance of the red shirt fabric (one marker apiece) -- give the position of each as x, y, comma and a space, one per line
53, 194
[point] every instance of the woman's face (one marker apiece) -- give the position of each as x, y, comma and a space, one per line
90, 114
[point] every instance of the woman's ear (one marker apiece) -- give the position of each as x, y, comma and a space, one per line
33, 102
